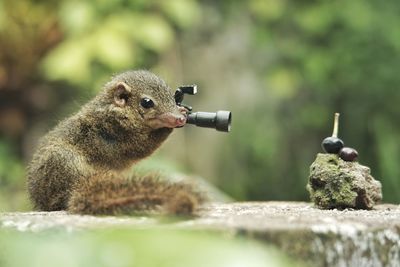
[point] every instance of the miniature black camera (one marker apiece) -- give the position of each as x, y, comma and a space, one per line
220, 120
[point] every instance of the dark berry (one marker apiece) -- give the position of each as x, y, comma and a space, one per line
332, 145
348, 154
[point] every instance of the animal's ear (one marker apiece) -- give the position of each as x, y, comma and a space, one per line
122, 93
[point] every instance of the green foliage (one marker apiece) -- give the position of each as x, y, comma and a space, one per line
10, 167
102, 38
328, 56
283, 67
129, 247
11, 171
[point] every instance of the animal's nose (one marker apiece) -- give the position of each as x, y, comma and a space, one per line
180, 121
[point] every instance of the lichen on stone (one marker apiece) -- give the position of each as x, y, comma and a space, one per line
335, 183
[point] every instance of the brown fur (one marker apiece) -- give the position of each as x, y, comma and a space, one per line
85, 154
108, 194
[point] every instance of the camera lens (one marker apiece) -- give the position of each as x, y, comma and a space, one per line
221, 120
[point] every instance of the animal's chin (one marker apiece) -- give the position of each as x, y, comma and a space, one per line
155, 124
161, 133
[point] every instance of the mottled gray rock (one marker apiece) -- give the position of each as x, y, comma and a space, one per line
320, 237
335, 183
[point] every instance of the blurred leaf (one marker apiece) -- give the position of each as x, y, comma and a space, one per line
184, 13
70, 61
113, 48
154, 32
77, 17
318, 66
283, 82
267, 9
359, 15
316, 19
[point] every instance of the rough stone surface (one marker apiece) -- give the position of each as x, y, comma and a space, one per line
320, 237
335, 183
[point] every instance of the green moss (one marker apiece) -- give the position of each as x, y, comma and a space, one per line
334, 183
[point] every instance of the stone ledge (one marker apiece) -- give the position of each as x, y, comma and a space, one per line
321, 237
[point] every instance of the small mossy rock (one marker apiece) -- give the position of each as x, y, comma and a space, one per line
335, 183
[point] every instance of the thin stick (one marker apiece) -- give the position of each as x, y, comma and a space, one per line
336, 125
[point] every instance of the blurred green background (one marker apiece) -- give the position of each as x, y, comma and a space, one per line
282, 67
127, 247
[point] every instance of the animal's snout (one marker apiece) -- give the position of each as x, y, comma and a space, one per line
180, 121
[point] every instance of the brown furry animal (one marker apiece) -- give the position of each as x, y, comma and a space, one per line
78, 165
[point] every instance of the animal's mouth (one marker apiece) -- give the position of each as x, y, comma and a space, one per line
171, 120
167, 120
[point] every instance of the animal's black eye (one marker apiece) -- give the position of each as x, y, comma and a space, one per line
146, 102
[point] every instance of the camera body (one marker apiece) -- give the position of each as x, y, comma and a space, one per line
220, 120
